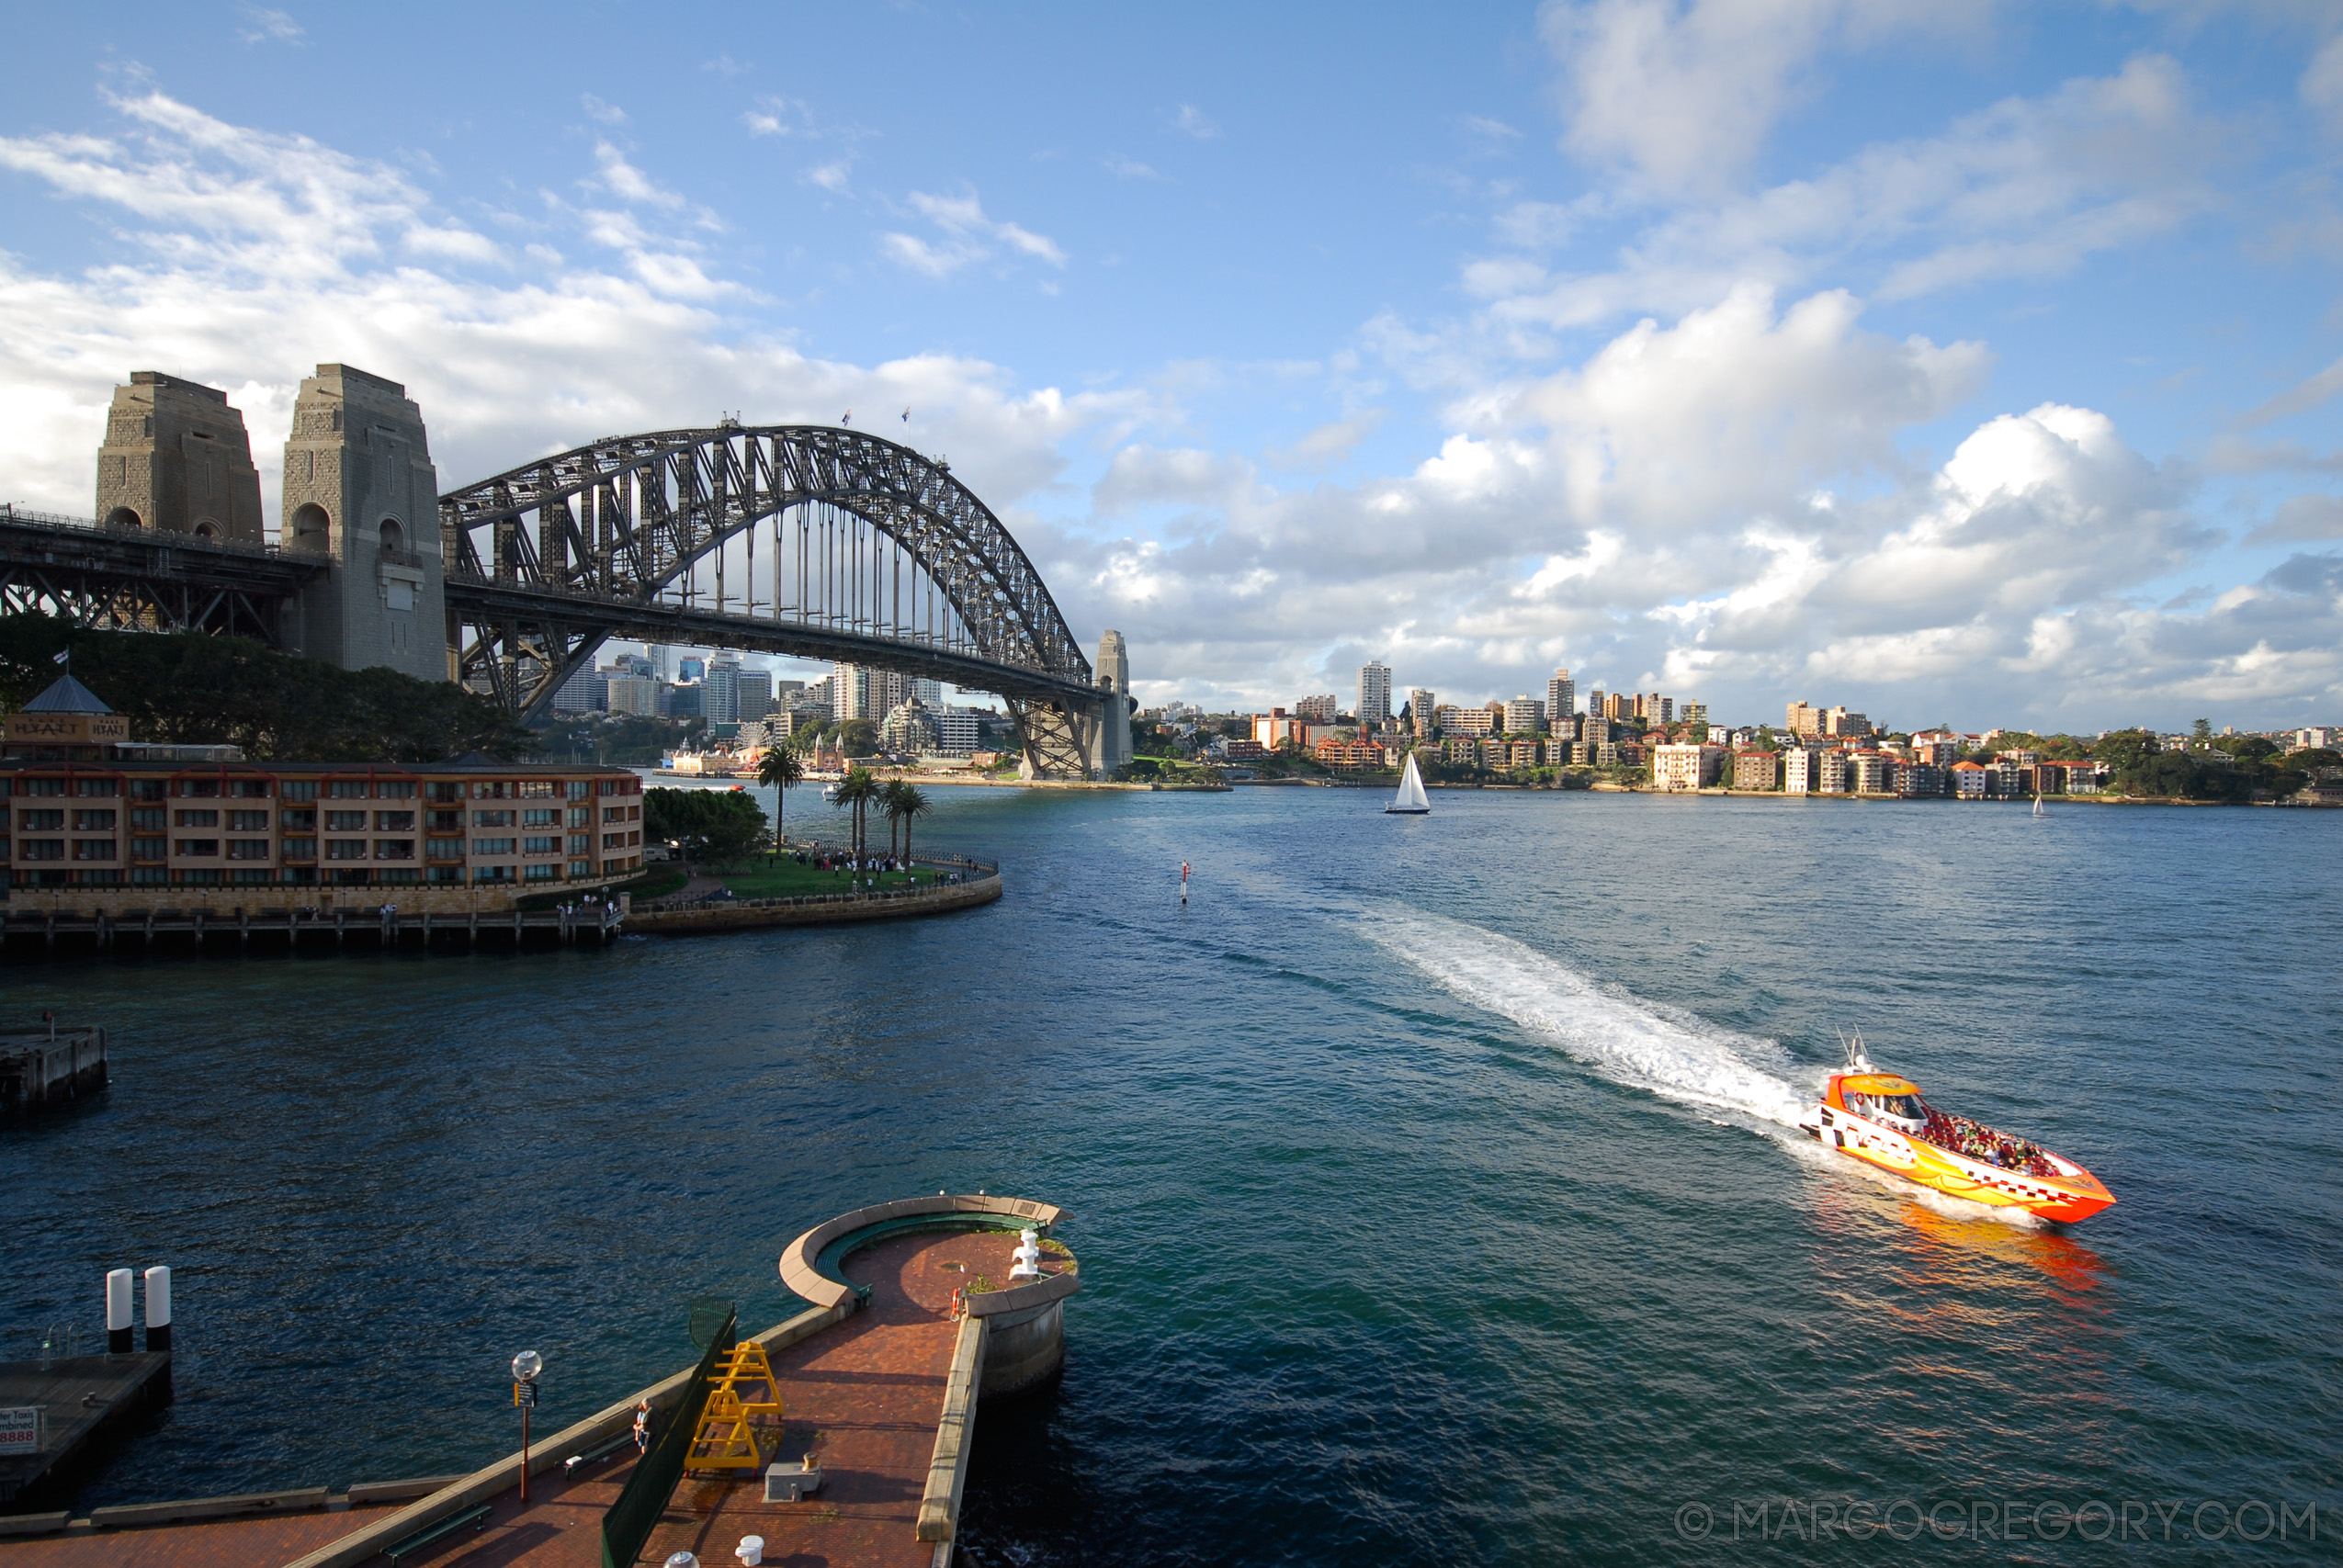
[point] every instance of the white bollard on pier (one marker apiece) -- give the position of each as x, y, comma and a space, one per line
118, 1312
158, 1307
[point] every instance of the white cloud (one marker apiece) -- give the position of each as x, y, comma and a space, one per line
832, 176
2026, 188
2322, 83
1190, 120
265, 26
1684, 92
255, 256
1123, 168
969, 236
627, 182
607, 114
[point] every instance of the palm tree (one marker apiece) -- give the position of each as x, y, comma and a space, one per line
908, 804
858, 790
778, 770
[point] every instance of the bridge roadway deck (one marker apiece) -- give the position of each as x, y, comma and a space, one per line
864, 1394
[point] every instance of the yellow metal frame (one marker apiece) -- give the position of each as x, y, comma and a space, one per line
741, 1429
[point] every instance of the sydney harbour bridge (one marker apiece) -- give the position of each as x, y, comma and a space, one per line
819, 542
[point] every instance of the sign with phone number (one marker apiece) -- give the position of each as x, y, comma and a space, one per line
20, 1430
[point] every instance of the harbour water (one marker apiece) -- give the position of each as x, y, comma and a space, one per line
1433, 1177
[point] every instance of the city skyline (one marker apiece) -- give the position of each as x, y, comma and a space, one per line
2006, 339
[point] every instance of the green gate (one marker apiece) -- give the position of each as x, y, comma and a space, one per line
644, 1497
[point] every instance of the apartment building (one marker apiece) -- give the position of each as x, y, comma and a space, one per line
1685, 767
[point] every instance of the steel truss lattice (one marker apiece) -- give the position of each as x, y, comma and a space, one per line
876, 556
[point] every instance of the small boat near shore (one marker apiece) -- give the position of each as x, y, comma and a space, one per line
1411, 801
1880, 1119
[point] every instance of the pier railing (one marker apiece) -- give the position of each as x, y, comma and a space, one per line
975, 870
632, 1518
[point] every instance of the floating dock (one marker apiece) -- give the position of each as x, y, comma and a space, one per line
78, 1402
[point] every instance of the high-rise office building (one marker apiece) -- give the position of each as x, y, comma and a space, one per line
721, 701
1375, 693
851, 693
691, 669
755, 695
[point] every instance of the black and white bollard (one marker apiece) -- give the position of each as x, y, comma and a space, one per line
118, 1312
158, 1308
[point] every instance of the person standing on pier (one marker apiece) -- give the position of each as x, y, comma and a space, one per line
642, 1427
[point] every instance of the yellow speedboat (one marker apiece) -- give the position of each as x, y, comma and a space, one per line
1880, 1119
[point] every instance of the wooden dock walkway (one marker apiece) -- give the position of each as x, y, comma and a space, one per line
48, 1066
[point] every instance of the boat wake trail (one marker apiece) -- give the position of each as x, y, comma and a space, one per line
1627, 1041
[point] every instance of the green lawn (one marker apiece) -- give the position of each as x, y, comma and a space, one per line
788, 879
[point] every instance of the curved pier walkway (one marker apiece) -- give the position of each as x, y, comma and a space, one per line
862, 1390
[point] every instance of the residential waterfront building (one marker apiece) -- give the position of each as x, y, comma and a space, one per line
1561, 697
1696, 715
1425, 707
1845, 725
1319, 709
1971, 780
1375, 693
1685, 767
1872, 773
1803, 720
1468, 721
1753, 769
82, 806
1525, 715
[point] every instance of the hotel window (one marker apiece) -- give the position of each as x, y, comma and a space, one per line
346, 849
541, 819
535, 789
582, 868
346, 821
444, 849
198, 789
147, 849
543, 872
448, 821
581, 817
492, 846
581, 844
301, 821
41, 849
300, 848
614, 814
93, 849
148, 875
97, 878
581, 788
149, 789
296, 789
199, 820
88, 788
252, 874
394, 821
248, 789
443, 874
541, 846
248, 848
492, 874
41, 821
202, 849
396, 789
248, 822
491, 818
394, 849
398, 873
486, 790
614, 840
347, 789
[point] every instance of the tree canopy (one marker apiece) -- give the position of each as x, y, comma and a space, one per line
194, 689
722, 827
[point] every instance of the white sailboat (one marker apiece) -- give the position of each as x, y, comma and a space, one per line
1411, 800
2040, 810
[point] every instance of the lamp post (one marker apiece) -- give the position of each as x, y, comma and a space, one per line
525, 1368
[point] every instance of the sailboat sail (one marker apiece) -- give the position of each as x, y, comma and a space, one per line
1411, 800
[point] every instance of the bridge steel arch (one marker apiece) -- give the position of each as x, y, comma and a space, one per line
548, 560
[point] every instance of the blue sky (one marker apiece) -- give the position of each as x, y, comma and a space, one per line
1980, 368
